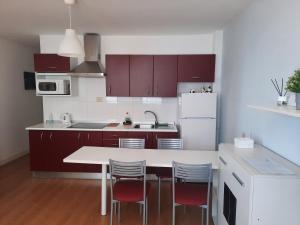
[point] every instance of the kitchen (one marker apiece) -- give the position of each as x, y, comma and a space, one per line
102, 99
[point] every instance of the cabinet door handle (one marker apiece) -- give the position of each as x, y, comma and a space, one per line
52, 67
42, 135
78, 136
109, 89
51, 136
222, 160
195, 77
238, 179
88, 136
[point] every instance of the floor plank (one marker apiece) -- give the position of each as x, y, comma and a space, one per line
25, 200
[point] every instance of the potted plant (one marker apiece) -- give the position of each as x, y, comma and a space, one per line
293, 85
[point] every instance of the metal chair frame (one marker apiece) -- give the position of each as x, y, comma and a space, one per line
127, 170
134, 143
167, 144
192, 173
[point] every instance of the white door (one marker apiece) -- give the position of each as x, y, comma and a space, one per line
198, 105
198, 134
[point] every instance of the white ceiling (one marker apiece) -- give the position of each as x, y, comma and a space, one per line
23, 20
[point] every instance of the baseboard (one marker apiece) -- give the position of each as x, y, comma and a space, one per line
13, 157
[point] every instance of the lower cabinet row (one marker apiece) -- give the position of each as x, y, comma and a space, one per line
49, 148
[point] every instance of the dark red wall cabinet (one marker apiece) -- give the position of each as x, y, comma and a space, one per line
117, 79
155, 76
141, 75
51, 63
165, 76
196, 68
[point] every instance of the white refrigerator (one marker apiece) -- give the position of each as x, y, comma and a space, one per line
198, 113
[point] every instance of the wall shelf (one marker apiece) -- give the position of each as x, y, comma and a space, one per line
284, 110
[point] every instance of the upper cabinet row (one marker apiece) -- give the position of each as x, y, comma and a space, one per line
158, 75
141, 75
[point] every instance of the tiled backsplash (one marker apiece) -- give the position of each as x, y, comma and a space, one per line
92, 105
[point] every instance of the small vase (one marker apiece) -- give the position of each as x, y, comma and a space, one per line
297, 101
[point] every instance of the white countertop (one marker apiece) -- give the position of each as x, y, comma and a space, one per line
120, 127
155, 158
259, 154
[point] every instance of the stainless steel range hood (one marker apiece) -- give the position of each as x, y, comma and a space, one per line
91, 67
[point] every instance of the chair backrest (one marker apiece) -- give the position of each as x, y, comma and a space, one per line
169, 143
192, 172
136, 143
127, 169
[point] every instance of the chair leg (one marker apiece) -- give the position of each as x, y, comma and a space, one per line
111, 212
144, 213
158, 195
119, 212
207, 215
173, 215
202, 215
146, 210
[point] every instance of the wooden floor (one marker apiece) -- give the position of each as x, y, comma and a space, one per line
34, 201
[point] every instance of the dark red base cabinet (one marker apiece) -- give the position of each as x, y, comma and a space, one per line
111, 138
51, 63
196, 68
49, 148
157, 135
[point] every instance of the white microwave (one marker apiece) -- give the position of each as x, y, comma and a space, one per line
52, 87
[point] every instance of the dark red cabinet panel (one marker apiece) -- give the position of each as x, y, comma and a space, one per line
196, 68
111, 138
143, 135
68, 142
40, 150
157, 135
141, 75
51, 63
165, 76
117, 79
49, 148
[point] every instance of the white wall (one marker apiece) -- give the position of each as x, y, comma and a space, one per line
262, 43
18, 108
85, 107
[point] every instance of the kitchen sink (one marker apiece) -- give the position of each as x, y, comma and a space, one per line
143, 126
152, 126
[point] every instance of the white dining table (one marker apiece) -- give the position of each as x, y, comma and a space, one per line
153, 157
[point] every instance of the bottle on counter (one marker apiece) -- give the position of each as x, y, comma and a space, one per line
127, 119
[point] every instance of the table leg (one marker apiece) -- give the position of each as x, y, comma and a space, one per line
103, 190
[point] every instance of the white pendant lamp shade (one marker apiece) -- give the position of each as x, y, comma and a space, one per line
71, 45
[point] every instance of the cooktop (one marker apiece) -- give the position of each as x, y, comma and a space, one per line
88, 125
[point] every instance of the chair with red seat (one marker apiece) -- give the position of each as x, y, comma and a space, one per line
191, 186
166, 173
128, 184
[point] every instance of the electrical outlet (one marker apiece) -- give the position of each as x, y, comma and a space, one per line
99, 99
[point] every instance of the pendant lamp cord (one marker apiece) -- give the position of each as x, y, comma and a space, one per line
70, 16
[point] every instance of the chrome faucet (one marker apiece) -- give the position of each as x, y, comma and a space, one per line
153, 113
